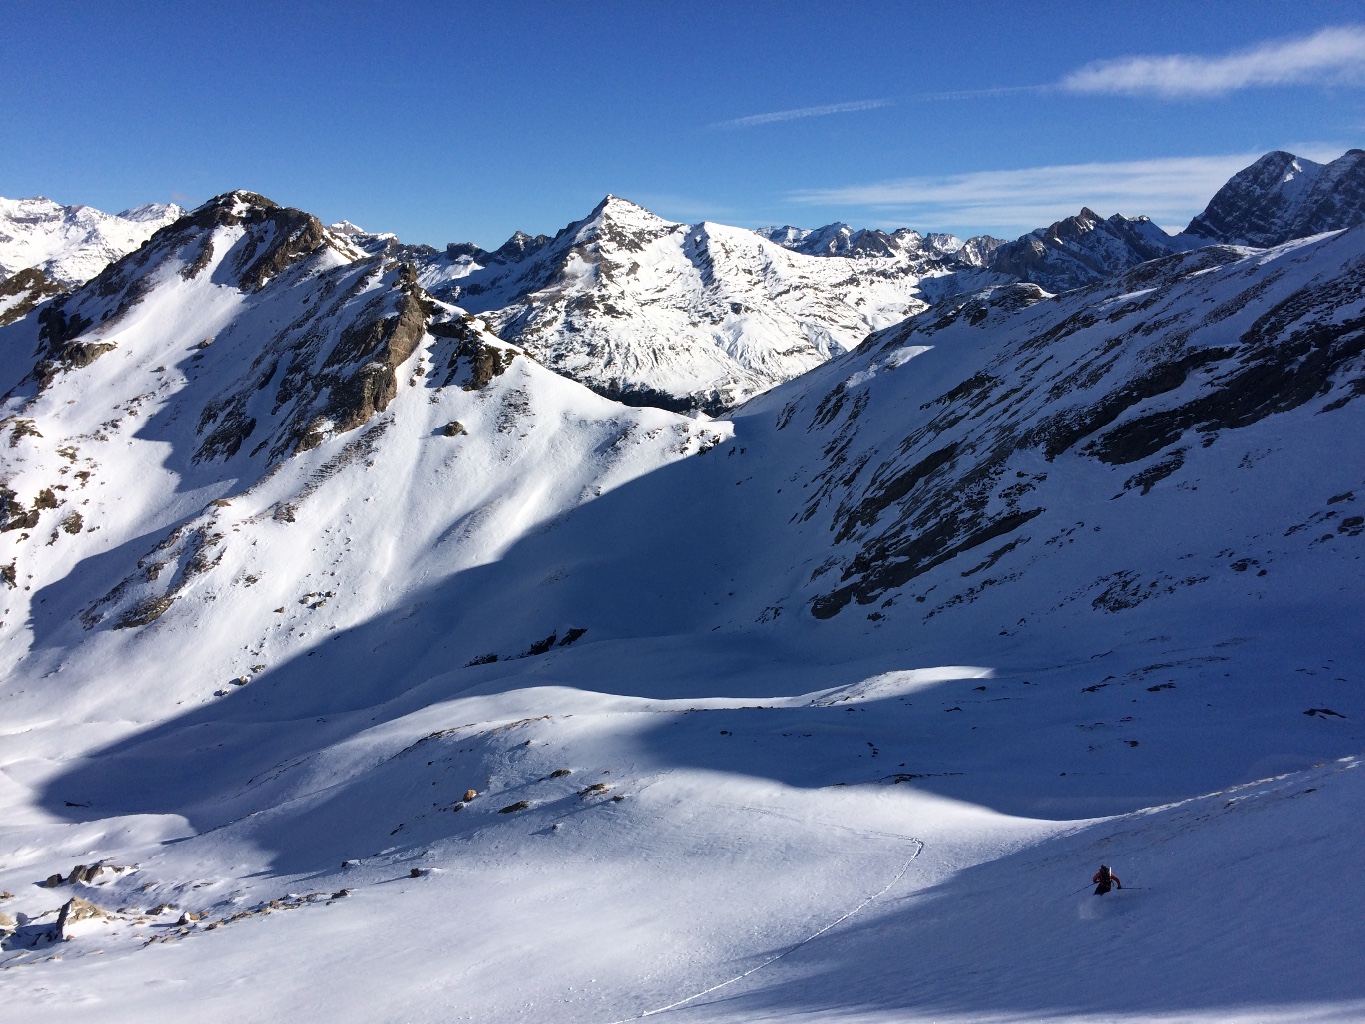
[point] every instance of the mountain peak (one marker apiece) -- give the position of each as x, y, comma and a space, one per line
345, 227
615, 204
625, 214
1281, 197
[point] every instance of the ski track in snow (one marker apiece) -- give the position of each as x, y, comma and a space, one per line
919, 848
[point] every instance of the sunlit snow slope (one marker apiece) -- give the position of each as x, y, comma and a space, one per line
445, 689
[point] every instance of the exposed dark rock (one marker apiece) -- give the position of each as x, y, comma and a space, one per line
74, 911
1157, 471
642, 396
1282, 197
29, 288
882, 494
380, 347
1065, 429
541, 646
880, 568
145, 612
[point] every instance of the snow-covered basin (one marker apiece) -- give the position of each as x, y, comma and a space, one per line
702, 894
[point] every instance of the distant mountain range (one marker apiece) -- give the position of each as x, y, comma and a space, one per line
705, 316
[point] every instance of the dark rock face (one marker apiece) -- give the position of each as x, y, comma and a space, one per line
517, 248
25, 290
471, 354
1081, 250
1282, 197
372, 351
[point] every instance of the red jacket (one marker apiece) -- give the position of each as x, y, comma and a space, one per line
1112, 877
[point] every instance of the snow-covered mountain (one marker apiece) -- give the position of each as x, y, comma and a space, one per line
1277, 199
1282, 197
71, 244
1081, 250
683, 316
427, 675
839, 239
210, 365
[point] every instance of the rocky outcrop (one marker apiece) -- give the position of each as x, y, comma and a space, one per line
361, 372
74, 911
23, 292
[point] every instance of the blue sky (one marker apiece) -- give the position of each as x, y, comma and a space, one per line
464, 121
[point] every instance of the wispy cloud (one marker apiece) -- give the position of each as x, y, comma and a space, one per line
1332, 56
1169, 190
753, 120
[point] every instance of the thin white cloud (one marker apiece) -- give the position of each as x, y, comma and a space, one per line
753, 120
1334, 56
1169, 190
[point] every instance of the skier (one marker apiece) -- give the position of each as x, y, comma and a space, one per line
1105, 880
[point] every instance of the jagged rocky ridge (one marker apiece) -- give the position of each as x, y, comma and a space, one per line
1282, 197
650, 312
1081, 250
839, 239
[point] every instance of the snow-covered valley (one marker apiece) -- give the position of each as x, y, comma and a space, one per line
373, 670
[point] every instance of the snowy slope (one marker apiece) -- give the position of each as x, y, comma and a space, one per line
880, 666
71, 244
698, 316
192, 379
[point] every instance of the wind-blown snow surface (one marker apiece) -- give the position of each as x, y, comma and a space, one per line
880, 667
71, 244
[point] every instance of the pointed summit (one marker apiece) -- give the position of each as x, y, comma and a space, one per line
516, 248
1281, 197
616, 217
